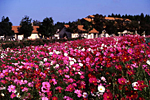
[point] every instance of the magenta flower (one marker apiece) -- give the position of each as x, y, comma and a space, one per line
54, 81
45, 87
25, 89
67, 98
93, 80
70, 88
11, 88
49, 94
122, 81
30, 84
1, 75
130, 51
44, 98
59, 89
78, 92
12, 95
107, 96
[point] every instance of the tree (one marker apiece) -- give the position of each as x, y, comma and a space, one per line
36, 23
73, 27
99, 21
46, 29
111, 28
87, 26
26, 27
58, 26
6, 27
132, 26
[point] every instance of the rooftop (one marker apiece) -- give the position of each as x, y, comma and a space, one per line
15, 29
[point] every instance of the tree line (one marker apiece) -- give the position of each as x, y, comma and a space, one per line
47, 28
138, 23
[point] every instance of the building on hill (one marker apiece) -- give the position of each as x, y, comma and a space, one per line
81, 32
125, 32
63, 33
90, 18
18, 36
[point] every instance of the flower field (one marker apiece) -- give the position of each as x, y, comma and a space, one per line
89, 69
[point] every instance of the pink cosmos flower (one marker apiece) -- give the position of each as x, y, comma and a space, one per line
45, 87
60, 71
54, 98
12, 95
54, 81
1, 75
44, 98
70, 88
25, 89
30, 84
82, 77
46, 84
107, 96
67, 98
49, 94
11, 88
93, 80
78, 92
87, 59
134, 65
59, 89
130, 51
67, 76
103, 78
122, 81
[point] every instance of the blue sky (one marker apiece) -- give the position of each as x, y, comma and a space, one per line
69, 10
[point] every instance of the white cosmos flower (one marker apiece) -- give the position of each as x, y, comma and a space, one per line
2, 94
85, 95
17, 69
103, 78
56, 66
41, 63
74, 60
83, 49
71, 62
101, 88
45, 59
148, 62
65, 54
102, 45
18, 95
15, 91
2, 88
57, 52
80, 64
101, 48
50, 53
79, 73
74, 68
135, 85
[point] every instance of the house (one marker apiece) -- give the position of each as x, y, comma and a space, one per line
81, 33
18, 36
63, 33
125, 32
34, 34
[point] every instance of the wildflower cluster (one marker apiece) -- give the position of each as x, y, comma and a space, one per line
102, 68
